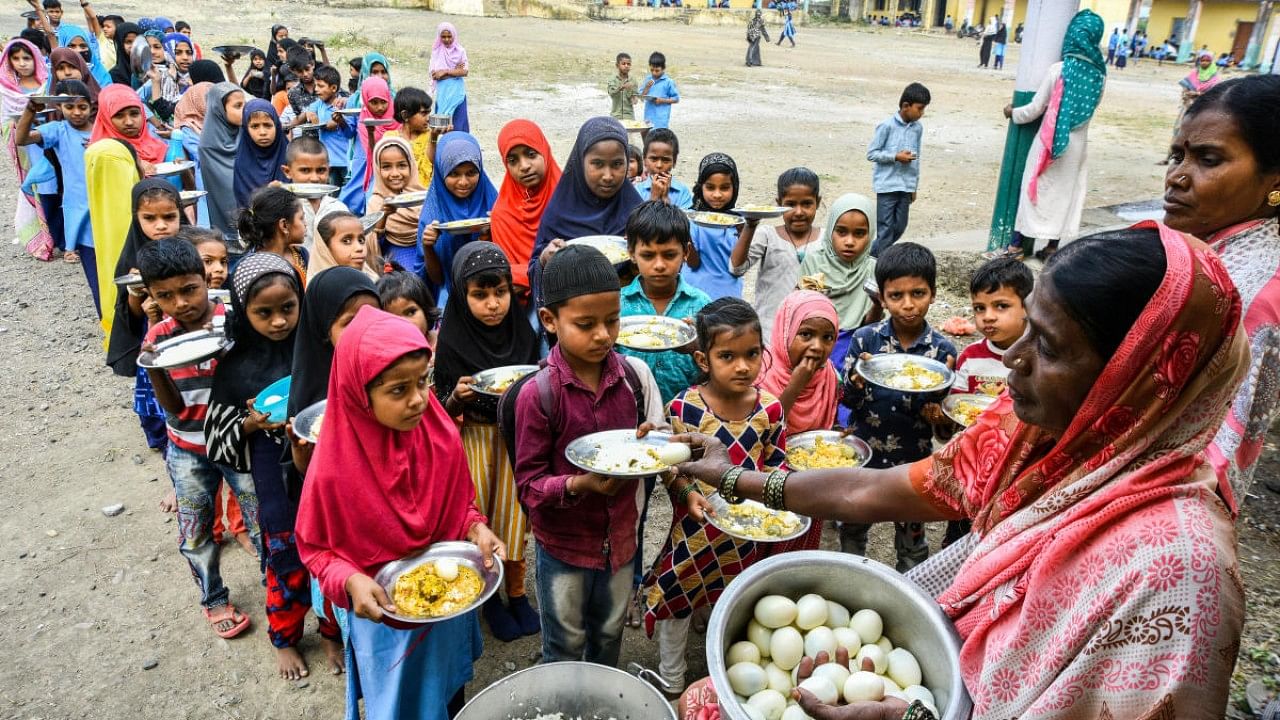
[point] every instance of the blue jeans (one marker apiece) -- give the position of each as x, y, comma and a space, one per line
892, 210
582, 611
195, 480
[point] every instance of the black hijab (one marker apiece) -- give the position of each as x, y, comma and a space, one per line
123, 71
465, 345
127, 331
326, 293
710, 165
254, 361
206, 71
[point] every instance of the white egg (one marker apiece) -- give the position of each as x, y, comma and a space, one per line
753, 713
811, 611
770, 703
793, 712
742, 651
833, 671
885, 644
837, 615
868, 624
821, 689
878, 658
786, 647
903, 667
901, 697
779, 679
863, 686
759, 636
921, 693
820, 639
848, 639
747, 678
775, 611
890, 686
447, 569
673, 453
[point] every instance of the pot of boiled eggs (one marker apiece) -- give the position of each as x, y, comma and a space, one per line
800, 604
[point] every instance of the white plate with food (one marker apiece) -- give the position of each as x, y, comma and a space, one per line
187, 349
620, 454
636, 126
189, 197
654, 333
715, 219
405, 200
613, 247
307, 424
495, 381
760, 212
965, 408
464, 227
444, 581
174, 168
819, 449
750, 520
905, 373
310, 190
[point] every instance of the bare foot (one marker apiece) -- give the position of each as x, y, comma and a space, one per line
169, 503
246, 543
333, 652
290, 664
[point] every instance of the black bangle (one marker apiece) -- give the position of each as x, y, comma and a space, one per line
774, 486
917, 710
729, 485
682, 495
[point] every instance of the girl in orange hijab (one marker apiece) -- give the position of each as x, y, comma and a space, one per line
532, 175
121, 117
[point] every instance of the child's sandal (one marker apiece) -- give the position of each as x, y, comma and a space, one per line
222, 613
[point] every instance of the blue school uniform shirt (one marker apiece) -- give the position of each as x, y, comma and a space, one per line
336, 142
679, 194
660, 115
893, 136
713, 276
674, 371
68, 144
889, 420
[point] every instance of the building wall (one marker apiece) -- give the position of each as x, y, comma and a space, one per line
1218, 20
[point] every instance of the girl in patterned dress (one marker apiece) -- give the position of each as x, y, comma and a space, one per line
698, 560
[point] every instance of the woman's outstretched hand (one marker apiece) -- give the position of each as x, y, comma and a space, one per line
713, 463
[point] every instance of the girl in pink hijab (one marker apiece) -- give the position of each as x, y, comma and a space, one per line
448, 68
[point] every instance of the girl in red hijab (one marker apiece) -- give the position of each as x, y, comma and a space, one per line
121, 117
389, 478
532, 175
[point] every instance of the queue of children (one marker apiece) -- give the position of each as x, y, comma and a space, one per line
348, 308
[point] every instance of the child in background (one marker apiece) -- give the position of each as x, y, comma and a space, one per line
273, 223
661, 151
413, 112
307, 161
354, 66
337, 132
897, 425
659, 93
779, 249
255, 78
635, 163
698, 560
342, 242
375, 97
622, 90
22, 73
374, 64
842, 265
261, 154
708, 267
449, 69
397, 232
460, 190
174, 277
482, 330
218, 140
895, 154
407, 295
584, 523
213, 253
531, 179
390, 478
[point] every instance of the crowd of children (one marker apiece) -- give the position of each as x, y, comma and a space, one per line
390, 317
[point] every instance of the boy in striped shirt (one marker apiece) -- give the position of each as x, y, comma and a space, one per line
173, 273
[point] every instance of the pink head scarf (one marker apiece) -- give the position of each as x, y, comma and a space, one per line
14, 99
373, 88
446, 57
815, 408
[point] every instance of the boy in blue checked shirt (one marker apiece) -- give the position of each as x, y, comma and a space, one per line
338, 130
898, 425
895, 156
660, 92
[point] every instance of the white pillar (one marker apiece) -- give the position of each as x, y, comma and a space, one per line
1187, 43
968, 11
1272, 50
1253, 53
1007, 16
1047, 22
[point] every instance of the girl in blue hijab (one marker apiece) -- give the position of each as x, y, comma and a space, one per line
260, 152
459, 190
67, 36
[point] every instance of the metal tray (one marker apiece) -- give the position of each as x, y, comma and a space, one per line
190, 197
237, 49
675, 332
464, 553
722, 512
208, 345
310, 190
133, 280
613, 247
585, 452
715, 219
464, 227
760, 212
54, 99
485, 380
376, 122
304, 425
950, 405
174, 168
879, 368
404, 200
368, 220
348, 112
861, 450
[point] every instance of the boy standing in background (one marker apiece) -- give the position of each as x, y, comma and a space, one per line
659, 92
337, 131
622, 90
895, 156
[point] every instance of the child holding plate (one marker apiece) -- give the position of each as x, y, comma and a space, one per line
459, 190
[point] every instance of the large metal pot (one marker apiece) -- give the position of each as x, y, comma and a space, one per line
577, 689
911, 618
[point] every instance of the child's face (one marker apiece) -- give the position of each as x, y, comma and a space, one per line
527, 166
184, 298
214, 256
158, 217
718, 190
109, 29
306, 75
586, 326
417, 122
55, 14
907, 300
128, 122
66, 71
605, 168
258, 62
633, 167
378, 106
446, 38
659, 264
348, 313
813, 341
912, 112
348, 243
1001, 316
234, 106
462, 180
380, 71
262, 129
294, 230
802, 205
157, 51
183, 57
308, 168
659, 158
851, 235
80, 45
732, 362
273, 311
399, 396
624, 67
78, 113
393, 168
489, 305
23, 64
409, 310
325, 91
656, 71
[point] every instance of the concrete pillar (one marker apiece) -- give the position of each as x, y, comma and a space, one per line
968, 11
1272, 60
1187, 45
1007, 17
1047, 22
1131, 20
1253, 53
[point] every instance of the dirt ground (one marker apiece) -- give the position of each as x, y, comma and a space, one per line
100, 616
